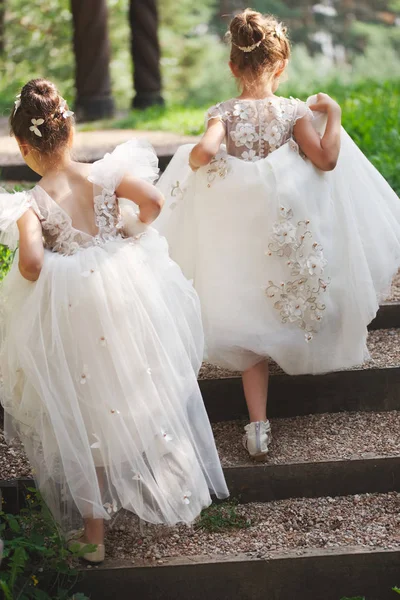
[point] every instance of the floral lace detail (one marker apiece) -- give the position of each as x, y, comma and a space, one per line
298, 299
108, 216
255, 128
218, 167
59, 235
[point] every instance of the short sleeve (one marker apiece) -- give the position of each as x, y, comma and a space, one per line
302, 111
12, 207
136, 158
215, 112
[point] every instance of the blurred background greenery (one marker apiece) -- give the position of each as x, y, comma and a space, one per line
340, 42
349, 48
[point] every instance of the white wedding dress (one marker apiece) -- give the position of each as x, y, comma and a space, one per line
289, 262
99, 360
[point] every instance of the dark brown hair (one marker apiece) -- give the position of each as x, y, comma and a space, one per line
250, 27
40, 99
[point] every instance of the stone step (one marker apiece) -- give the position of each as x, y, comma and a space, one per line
320, 549
310, 457
314, 456
90, 146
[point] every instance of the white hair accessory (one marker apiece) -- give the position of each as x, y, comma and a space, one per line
17, 103
62, 109
35, 126
279, 31
250, 48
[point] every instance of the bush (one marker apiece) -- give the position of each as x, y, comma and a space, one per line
36, 563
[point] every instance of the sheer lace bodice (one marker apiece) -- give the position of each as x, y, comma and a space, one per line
60, 236
255, 128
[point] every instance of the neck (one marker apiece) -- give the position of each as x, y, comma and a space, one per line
62, 163
258, 90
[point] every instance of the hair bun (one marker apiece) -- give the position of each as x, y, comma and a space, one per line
259, 43
41, 101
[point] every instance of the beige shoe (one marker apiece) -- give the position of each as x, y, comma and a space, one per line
256, 439
92, 557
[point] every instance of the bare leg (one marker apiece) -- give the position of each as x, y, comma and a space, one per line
94, 531
94, 528
255, 385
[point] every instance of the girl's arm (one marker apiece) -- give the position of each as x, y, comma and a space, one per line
149, 200
31, 251
207, 148
323, 152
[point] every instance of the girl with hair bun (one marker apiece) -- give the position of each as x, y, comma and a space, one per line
290, 235
100, 336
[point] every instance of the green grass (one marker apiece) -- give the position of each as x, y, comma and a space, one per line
222, 517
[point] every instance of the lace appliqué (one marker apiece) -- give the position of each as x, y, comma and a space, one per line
108, 216
298, 299
255, 128
59, 235
177, 192
218, 167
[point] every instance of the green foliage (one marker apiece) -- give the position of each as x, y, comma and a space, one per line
397, 590
36, 563
220, 517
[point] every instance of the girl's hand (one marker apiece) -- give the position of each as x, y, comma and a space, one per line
325, 104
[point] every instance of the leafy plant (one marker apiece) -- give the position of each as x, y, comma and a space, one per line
220, 517
36, 563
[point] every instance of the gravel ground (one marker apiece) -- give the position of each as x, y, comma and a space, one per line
369, 521
395, 292
316, 438
384, 346
13, 462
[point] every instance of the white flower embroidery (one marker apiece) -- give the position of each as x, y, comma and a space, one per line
136, 477
273, 134
315, 263
96, 444
242, 111
284, 233
87, 273
294, 307
166, 436
114, 411
250, 155
298, 299
244, 135
103, 341
148, 371
35, 126
85, 375
186, 497
111, 507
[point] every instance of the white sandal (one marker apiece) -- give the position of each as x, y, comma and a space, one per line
256, 439
95, 557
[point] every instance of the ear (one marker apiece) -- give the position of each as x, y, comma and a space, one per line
24, 148
71, 137
281, 68
234, 69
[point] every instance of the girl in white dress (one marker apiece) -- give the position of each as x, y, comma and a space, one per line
289, 259
101, 335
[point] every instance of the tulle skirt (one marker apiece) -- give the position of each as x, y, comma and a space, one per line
289, 262
99, 360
